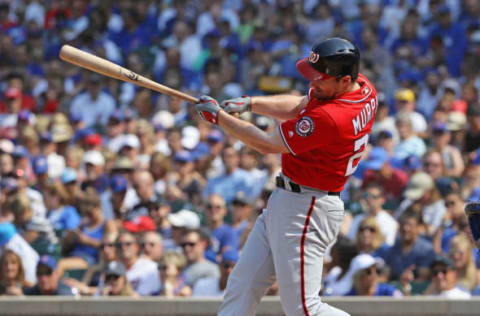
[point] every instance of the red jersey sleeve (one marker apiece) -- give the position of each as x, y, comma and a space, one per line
308, 131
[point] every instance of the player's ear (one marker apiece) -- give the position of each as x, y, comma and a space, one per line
346, 79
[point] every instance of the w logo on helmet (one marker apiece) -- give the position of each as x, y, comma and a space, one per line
313, 58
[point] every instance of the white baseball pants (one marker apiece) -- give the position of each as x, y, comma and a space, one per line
288, 241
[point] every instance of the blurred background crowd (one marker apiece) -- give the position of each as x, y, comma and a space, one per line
109, 189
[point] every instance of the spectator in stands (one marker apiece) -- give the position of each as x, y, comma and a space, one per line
12, 274
171, 267
410, 143
61, 216
141, 272
472, 136
462, 255
85, 241
49, 279
369, 238
11, 240
188, 179
194, 244
92, 277
451, 156
374, 199
337, 281
406, 103
215, 287
232, 180
181, 222
433, 164
454, 221
143, 185
365, 279
116, 283
223, 237
444, 280
152, 245
94, 163
241, 214
422, 193
94, 107
379, 170
410, 250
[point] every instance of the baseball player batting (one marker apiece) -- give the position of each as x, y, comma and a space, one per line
321, 138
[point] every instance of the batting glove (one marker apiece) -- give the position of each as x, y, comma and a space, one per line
237, 105
208, 109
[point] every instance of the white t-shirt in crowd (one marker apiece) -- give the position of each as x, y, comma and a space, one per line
28, 255
207, 287
144, 277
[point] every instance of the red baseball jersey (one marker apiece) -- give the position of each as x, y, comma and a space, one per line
327, 138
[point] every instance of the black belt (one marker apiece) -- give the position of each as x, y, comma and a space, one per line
296, 187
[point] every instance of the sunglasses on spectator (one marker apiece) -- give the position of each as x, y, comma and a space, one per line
370, 271
450, 203
369, 228
435, 272
371, 196
125, 243
44, 273
189, 244
432, 164
150, 244
214, 206
107, 245
111, 277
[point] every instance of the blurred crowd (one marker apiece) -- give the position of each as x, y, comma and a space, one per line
110, 189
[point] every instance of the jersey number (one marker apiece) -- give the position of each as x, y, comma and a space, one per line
358, 149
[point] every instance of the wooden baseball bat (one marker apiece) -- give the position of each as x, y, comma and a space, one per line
107, 68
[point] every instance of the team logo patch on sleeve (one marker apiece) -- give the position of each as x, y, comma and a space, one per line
304, 126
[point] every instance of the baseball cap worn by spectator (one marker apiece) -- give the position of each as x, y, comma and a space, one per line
48, 261
6, 146
215, 136
7, 231
118, 184
94, 157
184, 219
418, 185
115, 268
439, 128
20, 152
61, 133
240, 199
183, 156
93, 140
140, 224
123, 163
377, 157
190, 137
456, 121
442, 260
69, 175
406, 95
40, 165
412, 162
13, 93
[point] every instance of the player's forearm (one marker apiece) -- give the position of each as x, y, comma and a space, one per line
282, 107
247, 133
